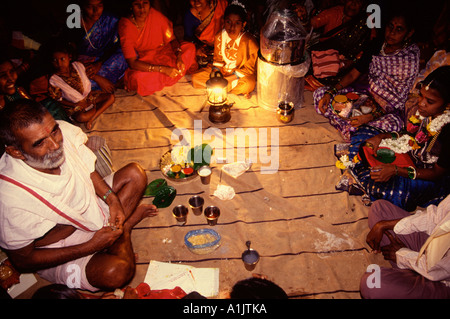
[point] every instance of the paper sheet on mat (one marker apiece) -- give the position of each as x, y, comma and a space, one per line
162, 275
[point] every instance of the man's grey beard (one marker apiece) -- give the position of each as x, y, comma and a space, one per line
48, 161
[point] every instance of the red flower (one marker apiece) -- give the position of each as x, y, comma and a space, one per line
410, 127
421, 137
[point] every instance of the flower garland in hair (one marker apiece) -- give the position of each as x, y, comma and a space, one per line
237, 3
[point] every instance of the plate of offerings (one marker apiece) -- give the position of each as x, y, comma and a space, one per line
180, 164
352, 104
175, 169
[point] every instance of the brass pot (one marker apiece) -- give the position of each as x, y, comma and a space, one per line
285, 112
220, 113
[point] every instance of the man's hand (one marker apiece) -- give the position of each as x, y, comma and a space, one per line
117, 216
389, 251
104, 238
374, 236
378, 230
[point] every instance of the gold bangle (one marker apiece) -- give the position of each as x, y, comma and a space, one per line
150, 68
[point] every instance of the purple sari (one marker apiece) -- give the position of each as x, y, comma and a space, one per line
390, 79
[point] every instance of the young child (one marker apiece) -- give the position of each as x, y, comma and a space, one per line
71, 86
235, 54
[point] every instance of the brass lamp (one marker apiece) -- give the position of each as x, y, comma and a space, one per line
216, 92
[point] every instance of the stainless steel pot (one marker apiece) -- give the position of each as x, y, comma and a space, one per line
282, 52
283, 38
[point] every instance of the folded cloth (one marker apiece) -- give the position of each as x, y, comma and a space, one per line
236, 169
325, 63
224, 192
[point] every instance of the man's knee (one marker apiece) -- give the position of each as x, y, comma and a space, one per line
137, 174
115, 274
120, 274
364, 289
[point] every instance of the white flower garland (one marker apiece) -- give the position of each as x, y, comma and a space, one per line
403, 145
439, 122
399, 146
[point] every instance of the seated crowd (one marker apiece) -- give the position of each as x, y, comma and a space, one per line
405, 82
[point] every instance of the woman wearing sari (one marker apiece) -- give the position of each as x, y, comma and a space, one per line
98, 46
425, 180
392, 67
201, 24
155, 57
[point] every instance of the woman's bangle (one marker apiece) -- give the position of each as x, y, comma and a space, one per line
395, 135
412, 173
150, 68
332, 92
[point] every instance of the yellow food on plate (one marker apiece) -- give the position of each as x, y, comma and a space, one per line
201, 239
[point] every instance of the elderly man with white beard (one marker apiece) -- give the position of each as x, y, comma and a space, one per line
58, 217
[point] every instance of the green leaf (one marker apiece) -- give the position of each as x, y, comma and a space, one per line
385, 155
153, 187
164, 197
200, 155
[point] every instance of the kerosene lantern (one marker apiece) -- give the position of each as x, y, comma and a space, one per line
216, 92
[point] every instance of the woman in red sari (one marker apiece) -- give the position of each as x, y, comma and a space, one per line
155, 57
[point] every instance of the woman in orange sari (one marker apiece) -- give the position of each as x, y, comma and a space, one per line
201, 23
155, 57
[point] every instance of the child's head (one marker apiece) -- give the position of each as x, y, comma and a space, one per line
235, 19
8, 76
61, 55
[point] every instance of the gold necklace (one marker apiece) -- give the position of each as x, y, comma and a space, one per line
135, 22
87, 34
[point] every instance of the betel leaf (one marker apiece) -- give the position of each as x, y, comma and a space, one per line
164, 197
200, 155
154, 186
385, 155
